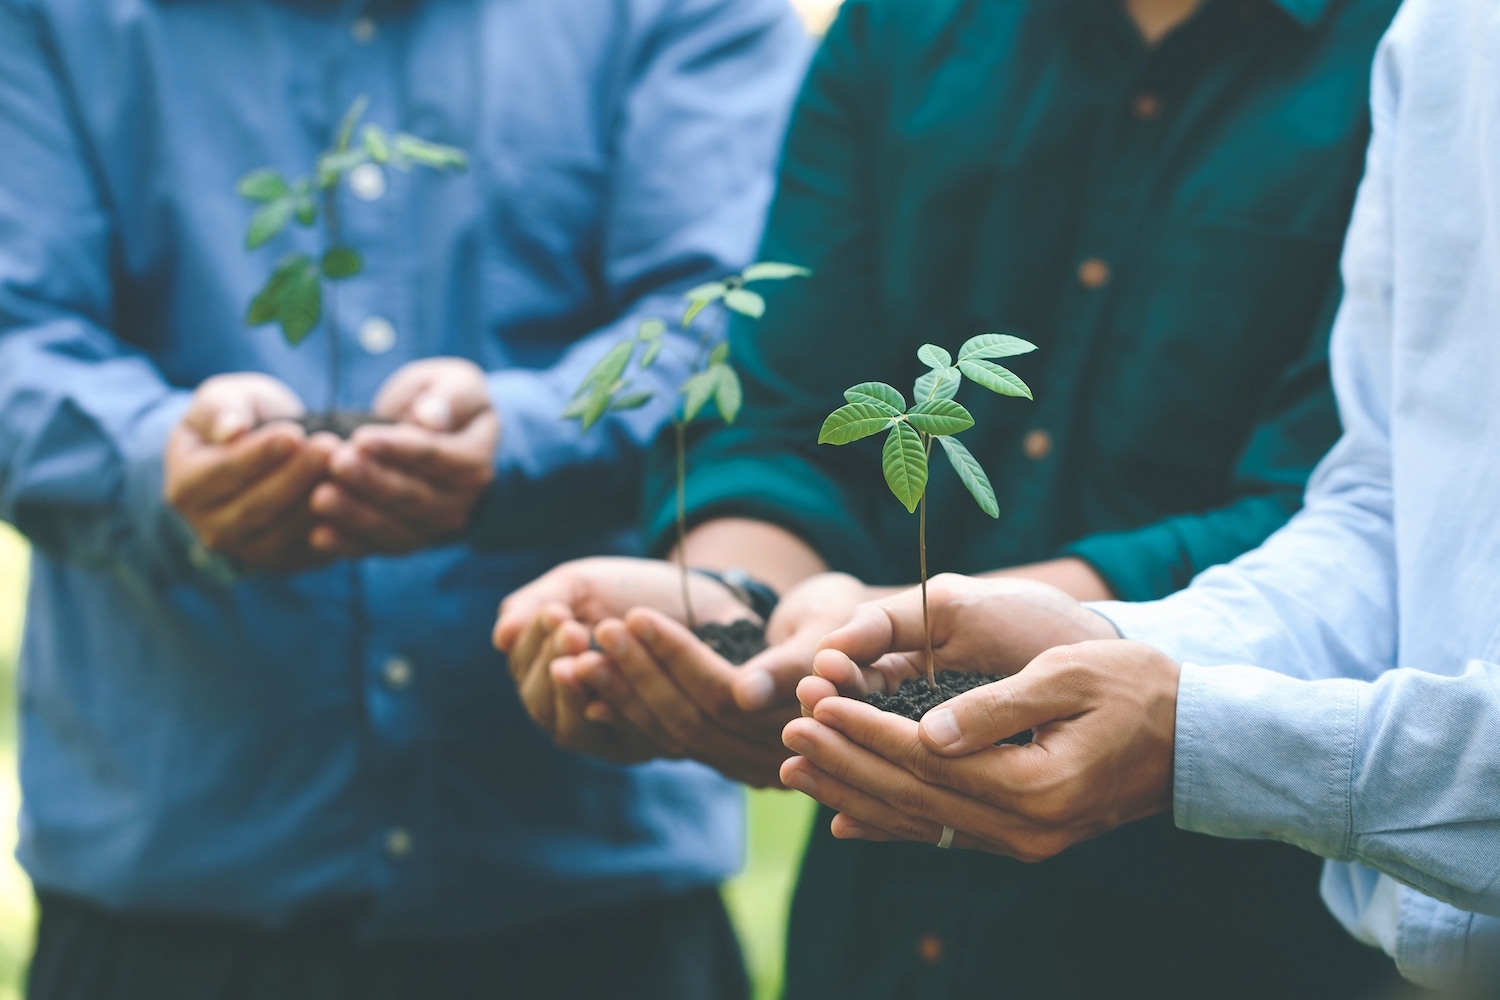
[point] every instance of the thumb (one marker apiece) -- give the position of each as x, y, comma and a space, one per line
983, 716
771, 677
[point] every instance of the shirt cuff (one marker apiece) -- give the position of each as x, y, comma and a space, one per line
1262, 756
1443, 948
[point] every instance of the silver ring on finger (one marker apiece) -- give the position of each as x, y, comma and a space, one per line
946, 840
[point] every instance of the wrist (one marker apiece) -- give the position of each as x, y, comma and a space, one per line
754, 594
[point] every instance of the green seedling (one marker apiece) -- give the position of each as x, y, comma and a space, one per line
293, 296
608, 387
873, 407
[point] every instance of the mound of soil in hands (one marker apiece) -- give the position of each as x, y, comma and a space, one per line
914, 698
340, 422
736, 642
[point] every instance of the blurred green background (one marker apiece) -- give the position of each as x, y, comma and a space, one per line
757, 899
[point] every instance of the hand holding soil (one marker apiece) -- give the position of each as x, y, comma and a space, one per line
411, 483
242, 484
1104, 715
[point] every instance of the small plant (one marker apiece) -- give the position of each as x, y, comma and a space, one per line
607, 387
293, 295
872, 407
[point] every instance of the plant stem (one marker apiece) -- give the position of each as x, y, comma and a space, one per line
331, 313
681, 427
926, 624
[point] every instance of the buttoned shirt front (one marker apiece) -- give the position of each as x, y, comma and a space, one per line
1368, 729
250, 747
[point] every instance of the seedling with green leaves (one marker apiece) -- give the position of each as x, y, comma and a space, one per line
608, 387
293, 296
873, 407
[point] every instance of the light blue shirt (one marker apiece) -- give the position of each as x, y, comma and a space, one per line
1368, 730
252, 748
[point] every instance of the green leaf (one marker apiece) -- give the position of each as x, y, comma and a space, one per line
769, 270
262, 185
351, 118
904, 463
720, 353
293, 295
431, 154
971, 473
651, 329
728, 393
610, 367
939, 383
878, 393
939, 417
745, 302
597, 403
307, 208
575, 408
994, 345
376, 145
853, 421
698, 390
268, 220
342, 262
994, 378
631, 401
653, 348
332, 166
934, 356
700, 297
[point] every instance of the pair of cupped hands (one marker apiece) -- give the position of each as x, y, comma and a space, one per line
605, 665
255, 487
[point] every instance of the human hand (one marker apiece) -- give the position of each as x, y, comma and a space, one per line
400, 487
674, 690
545, 629
1103, 714
243, 483
991, 626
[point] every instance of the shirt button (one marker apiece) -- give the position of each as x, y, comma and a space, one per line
1093, 273
1037, 444
398, 843
367, 181
398, 672
930, 948
1145, 106
376, 335
363, 29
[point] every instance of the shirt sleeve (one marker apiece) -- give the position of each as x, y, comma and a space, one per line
695, 150
83, 416
766, 466
1297, 424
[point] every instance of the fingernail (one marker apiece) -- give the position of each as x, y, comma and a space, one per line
756, 690
941, 726
643, 629
434, 412
798, 782
228, 424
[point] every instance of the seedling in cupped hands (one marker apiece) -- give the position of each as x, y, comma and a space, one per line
873, 407
711, 377
293, 295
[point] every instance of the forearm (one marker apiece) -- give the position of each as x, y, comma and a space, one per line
767, 552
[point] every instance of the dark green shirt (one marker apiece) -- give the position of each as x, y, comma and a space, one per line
1165, 224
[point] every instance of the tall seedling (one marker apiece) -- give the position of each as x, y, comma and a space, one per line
607, 387
873, 407
293, 295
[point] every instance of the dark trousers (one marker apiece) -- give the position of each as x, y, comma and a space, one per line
675, 948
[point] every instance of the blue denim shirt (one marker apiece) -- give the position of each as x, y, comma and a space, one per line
1368, 730
248, 748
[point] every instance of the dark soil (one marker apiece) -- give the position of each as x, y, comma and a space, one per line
915, 699
340, 422
736, 642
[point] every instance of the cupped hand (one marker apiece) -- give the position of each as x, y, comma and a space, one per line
242, 477
403, 486
1104, 718
991, 626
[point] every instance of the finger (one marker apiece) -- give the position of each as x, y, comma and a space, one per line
280, 494
209, 475
398, 492
695, 670
771, 678
460, 458
802, 775
521, 609
848, 677
845, 827
354, 519
641, 693
812, 690
982, 716
225, 407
